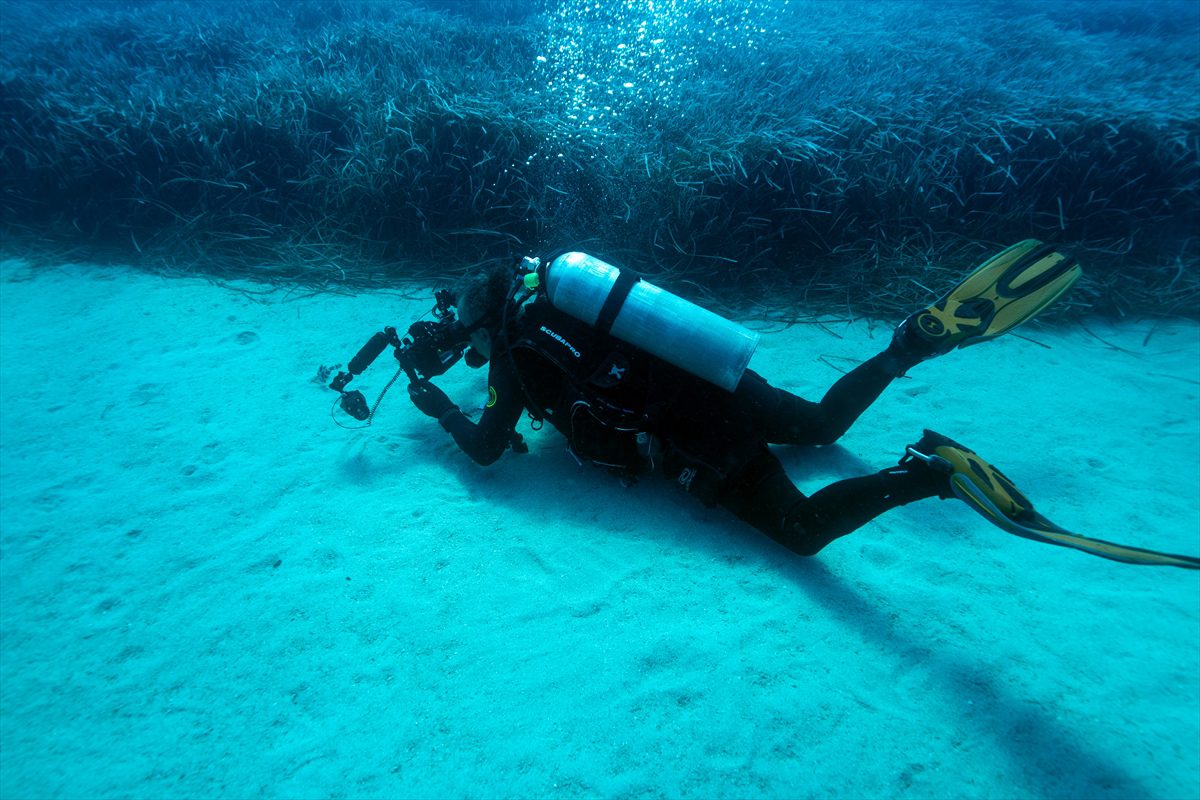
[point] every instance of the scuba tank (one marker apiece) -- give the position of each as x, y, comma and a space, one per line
620, 303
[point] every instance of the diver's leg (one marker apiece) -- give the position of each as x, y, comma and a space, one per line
1007, 290
781, 417
763, 496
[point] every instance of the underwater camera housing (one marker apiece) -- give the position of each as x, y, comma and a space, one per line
431, 348
428, 349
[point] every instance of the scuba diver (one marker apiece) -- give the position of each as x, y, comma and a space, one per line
640, 381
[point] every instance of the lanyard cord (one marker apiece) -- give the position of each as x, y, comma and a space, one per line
374, 408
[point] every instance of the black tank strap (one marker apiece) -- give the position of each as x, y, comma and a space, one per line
626, 278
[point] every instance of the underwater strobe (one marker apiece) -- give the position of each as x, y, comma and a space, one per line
428, 349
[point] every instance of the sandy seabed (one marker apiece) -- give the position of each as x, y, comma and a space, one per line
210, 590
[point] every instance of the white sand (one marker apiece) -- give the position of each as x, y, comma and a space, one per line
208, 589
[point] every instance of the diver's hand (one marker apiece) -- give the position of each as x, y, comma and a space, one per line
431, 400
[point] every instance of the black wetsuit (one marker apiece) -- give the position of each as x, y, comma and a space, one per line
621, 408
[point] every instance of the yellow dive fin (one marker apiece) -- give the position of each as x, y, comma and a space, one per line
1006, 290
989, 492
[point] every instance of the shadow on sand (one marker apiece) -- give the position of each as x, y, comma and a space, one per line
1046, 757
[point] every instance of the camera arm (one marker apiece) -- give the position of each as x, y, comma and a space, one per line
366, 356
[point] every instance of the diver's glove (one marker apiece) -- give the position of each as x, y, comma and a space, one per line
431, 400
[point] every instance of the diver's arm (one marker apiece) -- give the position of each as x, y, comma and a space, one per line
486, 440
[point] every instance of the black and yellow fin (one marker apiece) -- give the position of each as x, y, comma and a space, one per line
1032, 525
996, 498
1008, 289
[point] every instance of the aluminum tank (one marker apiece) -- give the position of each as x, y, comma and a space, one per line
663, 324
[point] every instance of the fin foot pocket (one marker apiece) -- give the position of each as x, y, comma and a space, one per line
1010, 288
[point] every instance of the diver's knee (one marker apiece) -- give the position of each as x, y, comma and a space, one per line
804, 544
798, 537
829, 431
828, 437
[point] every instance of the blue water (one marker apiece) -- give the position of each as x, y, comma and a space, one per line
207, 589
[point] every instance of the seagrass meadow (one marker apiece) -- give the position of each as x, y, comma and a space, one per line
819, 153
248, 552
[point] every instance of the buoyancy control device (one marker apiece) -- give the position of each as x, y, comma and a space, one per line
663, 324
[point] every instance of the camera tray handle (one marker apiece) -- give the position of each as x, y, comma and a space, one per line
366, 356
